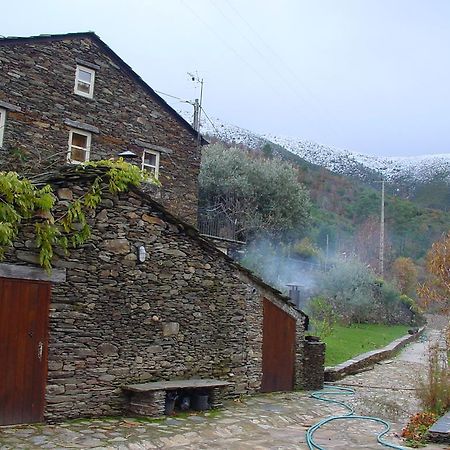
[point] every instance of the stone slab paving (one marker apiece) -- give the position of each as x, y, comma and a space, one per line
269, 421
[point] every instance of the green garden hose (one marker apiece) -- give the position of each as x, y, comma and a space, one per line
324, 395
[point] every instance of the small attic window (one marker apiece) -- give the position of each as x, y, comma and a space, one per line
79, 146
84, 81
150, 162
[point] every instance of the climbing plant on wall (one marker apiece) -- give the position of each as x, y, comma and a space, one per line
22, 202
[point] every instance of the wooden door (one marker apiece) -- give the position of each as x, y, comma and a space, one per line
24, 308
278, 349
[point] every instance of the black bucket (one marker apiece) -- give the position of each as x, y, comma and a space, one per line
169, 406
200, 402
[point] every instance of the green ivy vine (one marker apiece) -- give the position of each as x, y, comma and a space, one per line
21, 202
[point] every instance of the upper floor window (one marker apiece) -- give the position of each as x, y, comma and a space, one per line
2, 124
150, 162
84, 81
79, 146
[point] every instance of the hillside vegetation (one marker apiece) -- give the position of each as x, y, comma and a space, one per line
345, 212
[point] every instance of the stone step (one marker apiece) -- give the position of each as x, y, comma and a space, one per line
440, 431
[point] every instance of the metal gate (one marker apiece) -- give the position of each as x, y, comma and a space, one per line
24, 308
278, 349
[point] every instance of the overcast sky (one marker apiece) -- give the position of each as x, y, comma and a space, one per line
367, 75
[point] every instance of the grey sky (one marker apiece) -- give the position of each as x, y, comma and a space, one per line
368, 75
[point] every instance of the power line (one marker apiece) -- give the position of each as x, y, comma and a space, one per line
270, 64
260, 38
173, 96
210, 121
224, 42
318, 107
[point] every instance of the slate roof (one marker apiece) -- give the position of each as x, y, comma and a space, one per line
43, 38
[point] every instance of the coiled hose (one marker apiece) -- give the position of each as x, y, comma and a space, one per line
331, 390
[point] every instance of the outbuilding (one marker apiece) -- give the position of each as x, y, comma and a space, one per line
145, 299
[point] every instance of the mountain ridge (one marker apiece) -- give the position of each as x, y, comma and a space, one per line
414, 169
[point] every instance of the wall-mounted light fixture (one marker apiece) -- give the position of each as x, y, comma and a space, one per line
127, 155
142, 254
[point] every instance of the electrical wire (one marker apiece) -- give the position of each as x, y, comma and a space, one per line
331, 390
225, 42
210, 121
173, 96
313, 101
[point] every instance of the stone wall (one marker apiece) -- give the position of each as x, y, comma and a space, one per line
37, 89
311, 364
187, 311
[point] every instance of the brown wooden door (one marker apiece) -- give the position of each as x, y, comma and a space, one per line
24, 307
278, 349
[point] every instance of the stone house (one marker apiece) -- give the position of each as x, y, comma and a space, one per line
70, 98
145, 299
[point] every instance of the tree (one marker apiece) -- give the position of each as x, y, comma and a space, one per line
404, 274
348, 286
366, 242
259, 195
267, 150
436, 289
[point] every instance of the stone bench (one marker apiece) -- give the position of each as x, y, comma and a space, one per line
149, 399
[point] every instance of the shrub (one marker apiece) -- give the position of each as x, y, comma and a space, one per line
323, 318
434, 391
348, 287
405, 274
306, 249
357, 296
416, 431
436, 289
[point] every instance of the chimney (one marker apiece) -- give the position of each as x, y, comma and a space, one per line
295, 294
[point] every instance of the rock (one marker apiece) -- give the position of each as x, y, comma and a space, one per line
107, 349
170, 328
117, 246
131, 257
64, 194
28, 257
154, 349
102, 216
153, 220
106, 377
54, 389
55, 365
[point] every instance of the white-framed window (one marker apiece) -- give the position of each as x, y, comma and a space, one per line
79, 146
2, 124
150, 162
84, 81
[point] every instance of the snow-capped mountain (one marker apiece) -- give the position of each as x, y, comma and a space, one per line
417, 169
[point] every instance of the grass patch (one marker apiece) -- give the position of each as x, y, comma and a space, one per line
346, 342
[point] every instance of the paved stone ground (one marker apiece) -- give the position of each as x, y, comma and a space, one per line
270, 421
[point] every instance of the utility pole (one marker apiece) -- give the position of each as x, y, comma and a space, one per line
382, 231
196, 124
197, 106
